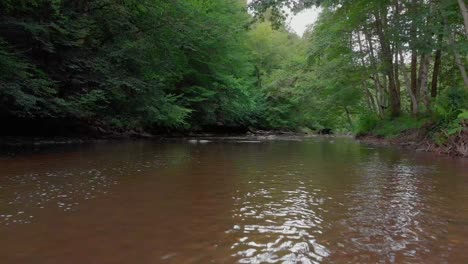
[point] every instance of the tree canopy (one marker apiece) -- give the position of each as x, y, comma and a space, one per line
195, 65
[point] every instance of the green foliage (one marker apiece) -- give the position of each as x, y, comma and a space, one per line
291, 97
395, 127
25, 90
452, 128
357, 69
388, 128
160, 65
367, 122
451, 114
450, 104
128, 64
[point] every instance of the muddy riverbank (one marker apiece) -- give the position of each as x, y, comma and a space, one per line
420, 141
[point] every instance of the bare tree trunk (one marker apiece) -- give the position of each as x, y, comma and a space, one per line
414, 73
464, 12
348, 115
370, 100
370, 97
396, 48
387, 58
423, 87
458, 61
397, 72
384, 99
435, 73
379, 96
461, 67
414, 100
414, 55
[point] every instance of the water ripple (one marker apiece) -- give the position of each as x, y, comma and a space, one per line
281, 229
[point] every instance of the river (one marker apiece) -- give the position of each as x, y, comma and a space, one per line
291, 200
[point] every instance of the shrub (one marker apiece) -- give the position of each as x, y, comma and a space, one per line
366, 124
394, 127
450, 104
451, 129
388, 128
450, 114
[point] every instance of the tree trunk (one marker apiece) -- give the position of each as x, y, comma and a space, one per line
414, 73
384, 99
458, 59
435, 73
414, 54
379, 96
423, 88
464, 12
397, 72
414, 100
348, 115
461, 67
396, 48
370, 98
387, 58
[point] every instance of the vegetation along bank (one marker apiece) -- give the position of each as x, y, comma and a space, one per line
378, 69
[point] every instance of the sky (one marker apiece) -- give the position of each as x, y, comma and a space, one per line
300, 21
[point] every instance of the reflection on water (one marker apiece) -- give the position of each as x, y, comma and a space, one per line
279, 201
279, 225
387, 215
51, 189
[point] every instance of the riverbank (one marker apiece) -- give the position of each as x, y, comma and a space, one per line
19, 141
250, 134
415, 139
420, 140
435, 133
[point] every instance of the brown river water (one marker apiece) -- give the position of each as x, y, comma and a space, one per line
315, 200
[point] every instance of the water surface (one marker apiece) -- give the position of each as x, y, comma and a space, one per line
317, 200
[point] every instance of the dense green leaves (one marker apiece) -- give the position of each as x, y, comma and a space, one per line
149, 64
373, 60
26, 90
159, 65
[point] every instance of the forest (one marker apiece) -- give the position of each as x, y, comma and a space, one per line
366, 67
